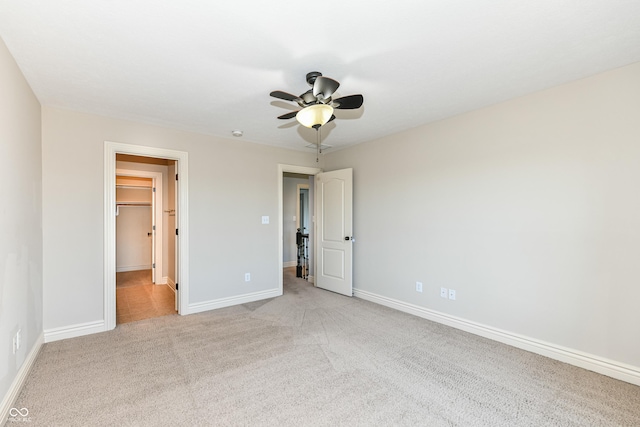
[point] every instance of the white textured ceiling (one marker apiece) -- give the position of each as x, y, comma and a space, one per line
208, 66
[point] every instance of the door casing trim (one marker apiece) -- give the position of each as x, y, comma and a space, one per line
182, 169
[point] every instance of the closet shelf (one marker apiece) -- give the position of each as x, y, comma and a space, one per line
134, 187
131, 205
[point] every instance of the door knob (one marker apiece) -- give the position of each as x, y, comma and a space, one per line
347, 238
148, 234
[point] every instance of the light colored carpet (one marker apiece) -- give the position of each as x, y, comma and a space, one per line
311, 358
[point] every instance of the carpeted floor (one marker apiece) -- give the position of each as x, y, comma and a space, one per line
311, 358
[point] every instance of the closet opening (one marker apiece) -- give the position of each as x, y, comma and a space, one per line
144, 241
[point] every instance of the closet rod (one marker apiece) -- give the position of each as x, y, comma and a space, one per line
133, 187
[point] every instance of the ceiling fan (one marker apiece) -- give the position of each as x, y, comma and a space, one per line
317, 103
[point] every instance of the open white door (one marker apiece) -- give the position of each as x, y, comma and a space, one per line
153, 232
176, 245
334, 191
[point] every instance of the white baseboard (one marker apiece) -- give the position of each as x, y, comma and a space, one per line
311, 279
289, 264
611, 368
12, 394
161, 280
133, 268
235, 300
73, 331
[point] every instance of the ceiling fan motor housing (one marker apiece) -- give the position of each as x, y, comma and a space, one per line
308, 98
312, 76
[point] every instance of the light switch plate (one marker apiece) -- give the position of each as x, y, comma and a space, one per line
265, 219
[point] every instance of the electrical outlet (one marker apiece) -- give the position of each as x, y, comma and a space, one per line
265, 219
443, 292
418, 286
452, 294
247, 277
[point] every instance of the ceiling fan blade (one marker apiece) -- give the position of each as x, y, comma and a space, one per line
284, 95
325, 86
350, 102
287, 116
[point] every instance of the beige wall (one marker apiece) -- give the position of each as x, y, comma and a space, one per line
231, 185
20, 220
530, 209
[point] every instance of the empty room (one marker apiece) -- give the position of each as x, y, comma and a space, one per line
343, 213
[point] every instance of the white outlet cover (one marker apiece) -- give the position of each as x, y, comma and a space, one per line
444, 292
265, 219
247, 277
418, 286
452, 294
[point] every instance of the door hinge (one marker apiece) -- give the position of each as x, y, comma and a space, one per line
176, 231
154, 189
154, 228
176, 286
176, 177
153, 265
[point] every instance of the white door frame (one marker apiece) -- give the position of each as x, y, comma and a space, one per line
298, 216
158, 252
182, 270
281, 170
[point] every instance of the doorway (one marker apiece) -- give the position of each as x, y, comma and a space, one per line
143, 288
295, 212
332, 226
297, 233
304, 234
171, 215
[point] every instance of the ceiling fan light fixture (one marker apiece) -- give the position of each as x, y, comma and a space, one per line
315, 115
